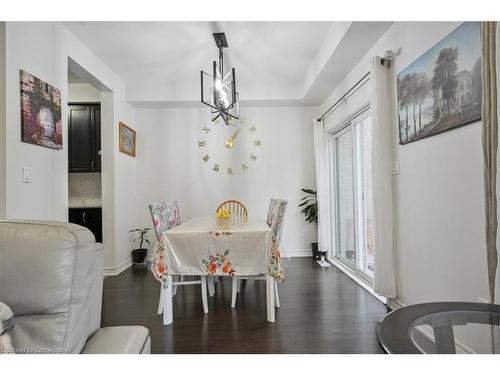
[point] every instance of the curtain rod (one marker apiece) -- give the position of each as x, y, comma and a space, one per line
354, 87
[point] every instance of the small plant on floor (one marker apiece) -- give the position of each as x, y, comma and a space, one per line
309, 204
139, 255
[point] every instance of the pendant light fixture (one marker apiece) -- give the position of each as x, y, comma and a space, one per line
219, 90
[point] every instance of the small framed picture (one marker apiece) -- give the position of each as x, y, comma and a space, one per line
127, 140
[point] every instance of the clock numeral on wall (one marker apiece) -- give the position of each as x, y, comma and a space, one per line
205, 129
258, 143
244, 167
216, 167
253, 157
205, 158
252, 129
201, 143
230, 171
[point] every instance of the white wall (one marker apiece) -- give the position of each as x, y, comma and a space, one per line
46, 196
83, 93
438, 196
170, 165
46, 47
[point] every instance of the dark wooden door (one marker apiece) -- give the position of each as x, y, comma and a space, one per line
90, 218
93, 221
76, 216
84, 124
96, 125
80, 138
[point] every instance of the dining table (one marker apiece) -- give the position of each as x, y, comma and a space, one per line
205, 246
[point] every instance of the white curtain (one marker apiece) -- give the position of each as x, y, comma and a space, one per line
497, 278
380, 103
323, 187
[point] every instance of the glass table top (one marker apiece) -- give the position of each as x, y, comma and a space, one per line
442, 328
457, 332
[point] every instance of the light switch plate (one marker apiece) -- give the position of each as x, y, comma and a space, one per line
26, 175
395, 168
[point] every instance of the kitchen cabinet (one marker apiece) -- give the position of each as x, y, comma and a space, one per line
90, 218
84, 138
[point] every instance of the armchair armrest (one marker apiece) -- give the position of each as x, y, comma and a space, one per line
119, 340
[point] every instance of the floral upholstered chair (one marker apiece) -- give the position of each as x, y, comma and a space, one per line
165, 216
275, 219
275, 216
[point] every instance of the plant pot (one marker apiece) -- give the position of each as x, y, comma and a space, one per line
138, 256
315, 252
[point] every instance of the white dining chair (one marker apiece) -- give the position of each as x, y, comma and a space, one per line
275, 219
166, 215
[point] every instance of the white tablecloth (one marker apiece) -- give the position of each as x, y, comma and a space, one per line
201, 246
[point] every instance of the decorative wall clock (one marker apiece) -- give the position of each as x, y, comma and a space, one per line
229, 149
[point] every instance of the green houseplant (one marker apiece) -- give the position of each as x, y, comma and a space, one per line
139, 255
309, 205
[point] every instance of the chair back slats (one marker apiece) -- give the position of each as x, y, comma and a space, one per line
165, 215
236, 208
276, 215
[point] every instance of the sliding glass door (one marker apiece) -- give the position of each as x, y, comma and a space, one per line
346, 249
353, 196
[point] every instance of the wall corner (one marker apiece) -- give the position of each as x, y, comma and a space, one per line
3, 122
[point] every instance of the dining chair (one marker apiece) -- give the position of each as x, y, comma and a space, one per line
165, 216
275, 219
235, 208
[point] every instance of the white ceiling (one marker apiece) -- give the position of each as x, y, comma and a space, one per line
274, 61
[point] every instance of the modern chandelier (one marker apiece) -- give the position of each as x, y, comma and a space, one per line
219, 90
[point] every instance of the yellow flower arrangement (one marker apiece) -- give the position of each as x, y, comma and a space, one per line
223, 216
223, 213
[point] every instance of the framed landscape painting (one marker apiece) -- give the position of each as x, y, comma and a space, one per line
441, 90
127, 139
40, 112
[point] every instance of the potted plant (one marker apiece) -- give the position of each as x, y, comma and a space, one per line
139, 255
309, 205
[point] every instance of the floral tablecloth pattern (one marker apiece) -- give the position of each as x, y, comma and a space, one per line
203, 247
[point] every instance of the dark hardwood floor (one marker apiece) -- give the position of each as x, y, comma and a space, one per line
322, 311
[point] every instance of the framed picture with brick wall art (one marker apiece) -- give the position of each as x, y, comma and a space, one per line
40, 112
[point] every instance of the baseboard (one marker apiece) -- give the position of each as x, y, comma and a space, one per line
358, 280
394, 303
297, 253
115, 271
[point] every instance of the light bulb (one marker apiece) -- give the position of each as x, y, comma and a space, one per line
218, 84
224, 100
